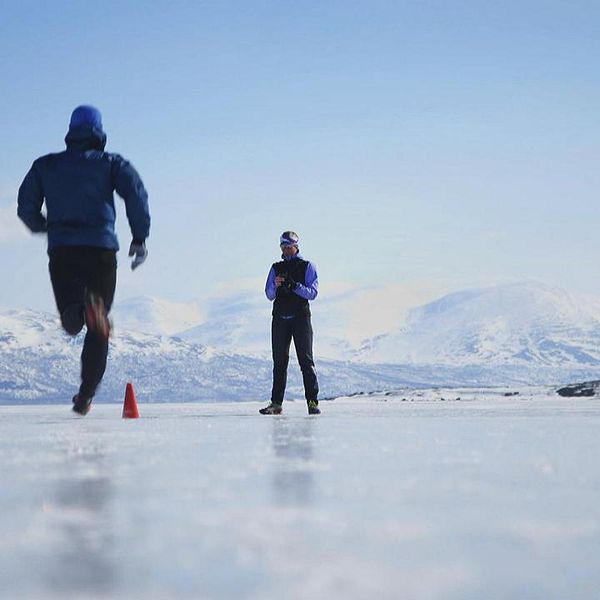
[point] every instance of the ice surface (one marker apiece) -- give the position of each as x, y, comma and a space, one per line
483, 497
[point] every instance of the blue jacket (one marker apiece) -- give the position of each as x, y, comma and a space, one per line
77, 186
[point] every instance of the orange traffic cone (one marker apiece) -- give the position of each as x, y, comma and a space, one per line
130, 409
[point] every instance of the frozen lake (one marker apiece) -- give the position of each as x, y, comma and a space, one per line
484, 497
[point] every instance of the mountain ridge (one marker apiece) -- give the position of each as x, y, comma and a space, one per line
514, 334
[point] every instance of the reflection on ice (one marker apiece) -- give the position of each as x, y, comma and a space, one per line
83, 558
293, 449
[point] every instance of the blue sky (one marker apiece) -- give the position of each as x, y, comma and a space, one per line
433, 144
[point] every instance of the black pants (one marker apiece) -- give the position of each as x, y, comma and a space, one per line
75, 270
298, 328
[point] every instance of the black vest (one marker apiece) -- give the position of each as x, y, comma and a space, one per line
286, 302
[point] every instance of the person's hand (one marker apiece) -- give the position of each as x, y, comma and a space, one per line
279, 280
137, 248
289, 283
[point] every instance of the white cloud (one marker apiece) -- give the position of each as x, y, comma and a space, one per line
11, 228
365, 312
237, 286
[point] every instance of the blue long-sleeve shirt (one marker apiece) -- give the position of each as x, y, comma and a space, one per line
308, 291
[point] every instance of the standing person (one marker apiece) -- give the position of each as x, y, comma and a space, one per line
291, 283
77, 186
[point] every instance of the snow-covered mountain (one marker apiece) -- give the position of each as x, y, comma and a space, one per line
41, 365
342, 320
520, 333
238, 323
519, 324
526, 324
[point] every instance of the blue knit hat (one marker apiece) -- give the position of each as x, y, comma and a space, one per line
86, 115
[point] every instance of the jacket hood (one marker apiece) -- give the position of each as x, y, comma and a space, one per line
85, 137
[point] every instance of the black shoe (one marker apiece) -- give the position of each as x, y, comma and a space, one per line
81, 406
96, 318
313, 407
272, 409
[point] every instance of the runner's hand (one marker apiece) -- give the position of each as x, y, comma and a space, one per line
140, 251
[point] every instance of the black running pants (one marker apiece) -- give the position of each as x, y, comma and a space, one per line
75, 270
283, 330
